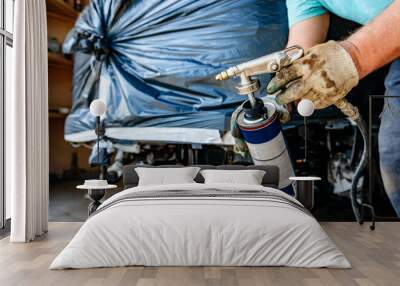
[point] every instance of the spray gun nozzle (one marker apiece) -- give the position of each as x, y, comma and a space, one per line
222, 76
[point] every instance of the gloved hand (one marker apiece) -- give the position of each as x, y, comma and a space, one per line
324, 75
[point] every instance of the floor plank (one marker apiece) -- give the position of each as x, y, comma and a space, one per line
375, 257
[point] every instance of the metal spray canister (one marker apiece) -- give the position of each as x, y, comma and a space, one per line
265, 141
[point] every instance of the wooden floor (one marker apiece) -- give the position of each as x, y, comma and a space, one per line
375, 257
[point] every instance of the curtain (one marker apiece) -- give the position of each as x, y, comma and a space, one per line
27, 124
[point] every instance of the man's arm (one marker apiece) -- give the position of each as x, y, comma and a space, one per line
310, 32
329, 71
376, 44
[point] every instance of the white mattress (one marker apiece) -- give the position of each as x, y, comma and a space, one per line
191, 231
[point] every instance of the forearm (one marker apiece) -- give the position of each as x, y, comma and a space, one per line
378, 43
310, 32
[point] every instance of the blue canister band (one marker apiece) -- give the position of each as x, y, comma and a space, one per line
288, 190
261, 134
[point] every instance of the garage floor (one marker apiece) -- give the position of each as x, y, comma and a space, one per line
374, 255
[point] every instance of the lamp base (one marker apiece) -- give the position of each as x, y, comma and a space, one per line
95, 195
305, 190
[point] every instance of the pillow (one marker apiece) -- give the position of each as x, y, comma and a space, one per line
166, 176
247, 177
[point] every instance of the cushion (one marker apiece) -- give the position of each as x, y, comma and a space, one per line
163, 176
247, 177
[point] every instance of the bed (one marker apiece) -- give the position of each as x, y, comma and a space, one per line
201, 224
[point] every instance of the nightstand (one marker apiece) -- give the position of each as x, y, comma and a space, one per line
96, 190
305, 190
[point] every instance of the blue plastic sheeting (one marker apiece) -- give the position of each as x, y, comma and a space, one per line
153, 62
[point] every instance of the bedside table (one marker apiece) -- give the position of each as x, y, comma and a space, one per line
305, 190
96, 190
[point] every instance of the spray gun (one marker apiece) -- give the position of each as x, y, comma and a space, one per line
254, 110
271, 63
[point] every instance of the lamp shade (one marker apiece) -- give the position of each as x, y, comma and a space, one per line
98, 107
305, 107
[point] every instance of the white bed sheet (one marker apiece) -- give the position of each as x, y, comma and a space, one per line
200, 231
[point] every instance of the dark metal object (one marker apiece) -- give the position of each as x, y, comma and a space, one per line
371, 174
305, 139
305, 193
100, 132
256, 111
95, 195
100, 128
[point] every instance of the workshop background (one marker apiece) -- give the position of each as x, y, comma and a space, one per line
334, 144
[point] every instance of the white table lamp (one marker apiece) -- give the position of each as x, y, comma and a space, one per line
305, 109
98, 108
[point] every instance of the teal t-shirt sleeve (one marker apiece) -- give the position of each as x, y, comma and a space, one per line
300, 10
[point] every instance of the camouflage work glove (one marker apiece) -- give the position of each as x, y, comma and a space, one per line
324, 75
